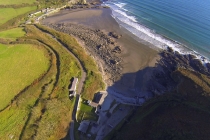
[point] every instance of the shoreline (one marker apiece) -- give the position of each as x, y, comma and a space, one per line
133, 72
133, 56
168, 42
135, 63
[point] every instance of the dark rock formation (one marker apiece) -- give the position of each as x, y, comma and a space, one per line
161, 80
117, 49
208, 67
103, 48
115, 35
198, 66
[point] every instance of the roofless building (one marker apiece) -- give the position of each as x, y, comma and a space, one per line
74, 84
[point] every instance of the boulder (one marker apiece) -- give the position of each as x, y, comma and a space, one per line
164, 54
112, 61
100, 46
197, 65
170, 49
117, 49
97, 30
208, 66
192, 56
111, 41
115, 35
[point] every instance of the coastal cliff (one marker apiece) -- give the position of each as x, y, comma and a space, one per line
182, 113
177, 87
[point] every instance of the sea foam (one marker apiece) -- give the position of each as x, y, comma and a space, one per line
121, 14
120, 5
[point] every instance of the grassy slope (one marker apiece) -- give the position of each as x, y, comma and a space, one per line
43, 110
86, 112
55, 120
13, 118
10, 2
183, 114
12, 33
9, 13
19, 69
94, 82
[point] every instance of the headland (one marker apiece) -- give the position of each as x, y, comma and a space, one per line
150, 93
121, 58
115, 48
133, 71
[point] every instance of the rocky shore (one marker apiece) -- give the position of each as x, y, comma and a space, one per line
105, 51
99, 44
161, 80
125, 63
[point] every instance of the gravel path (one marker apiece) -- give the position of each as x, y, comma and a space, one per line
79, 88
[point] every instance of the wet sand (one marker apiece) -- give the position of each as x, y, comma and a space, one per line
135, 55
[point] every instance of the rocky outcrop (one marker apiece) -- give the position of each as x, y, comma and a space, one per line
183, 114
208, 67
103, 48
161, 80
115, 35
117, 49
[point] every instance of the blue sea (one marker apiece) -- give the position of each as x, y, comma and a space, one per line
183, 25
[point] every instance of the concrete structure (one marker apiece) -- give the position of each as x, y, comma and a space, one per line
44, 13
92, 104
84, 126
74, 84
72, 94
104, 94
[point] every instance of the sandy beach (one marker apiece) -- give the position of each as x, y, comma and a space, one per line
135, 55
134, 74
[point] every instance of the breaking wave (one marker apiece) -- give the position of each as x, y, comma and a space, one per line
128, 21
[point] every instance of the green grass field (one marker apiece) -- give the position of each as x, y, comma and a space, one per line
86, 112
10, 2
9, 13
12, 33
18, 69
55, 120
42, 67
43, 110
85, 107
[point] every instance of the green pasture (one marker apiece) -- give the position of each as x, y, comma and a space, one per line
86, 112
46, 98
58, 108
20, 66
11, 2
86, 108
9, 13
12, 33
11, 122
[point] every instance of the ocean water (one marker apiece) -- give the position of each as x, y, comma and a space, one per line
183, 25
